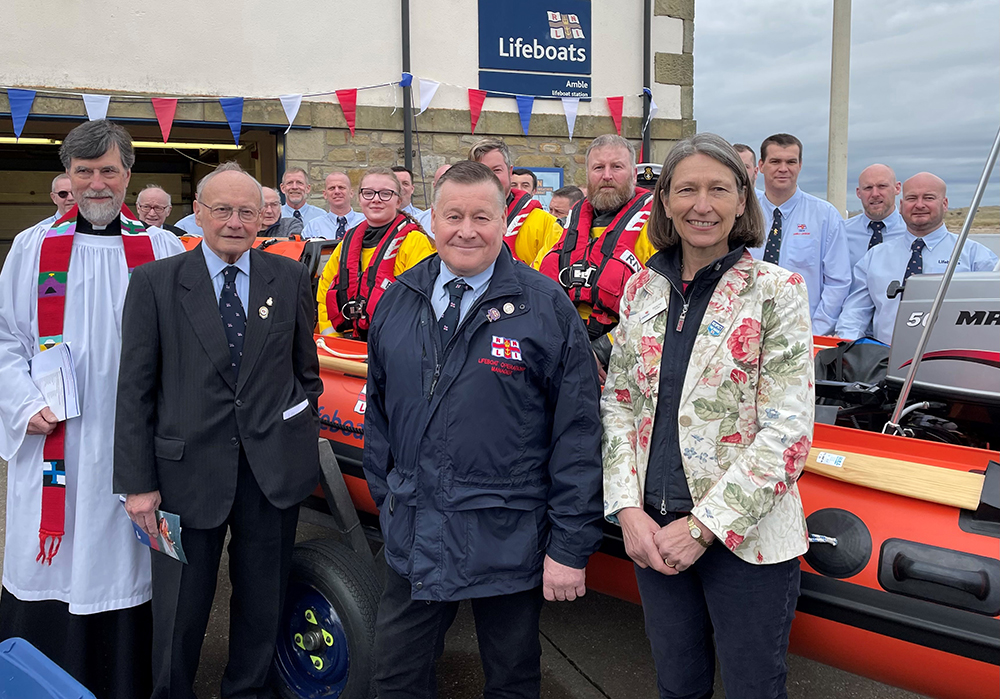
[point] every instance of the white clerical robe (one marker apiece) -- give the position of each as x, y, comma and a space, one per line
100, 565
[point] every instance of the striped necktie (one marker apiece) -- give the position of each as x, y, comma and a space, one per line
916, 263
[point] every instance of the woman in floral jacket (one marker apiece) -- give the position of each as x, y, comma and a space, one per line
708, 418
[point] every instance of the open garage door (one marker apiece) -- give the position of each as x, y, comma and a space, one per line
27, 166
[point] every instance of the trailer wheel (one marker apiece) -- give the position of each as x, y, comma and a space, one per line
326, 646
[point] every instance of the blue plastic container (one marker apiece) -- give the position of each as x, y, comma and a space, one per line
26, 673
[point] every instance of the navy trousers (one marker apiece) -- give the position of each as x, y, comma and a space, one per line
747, 609
410, 637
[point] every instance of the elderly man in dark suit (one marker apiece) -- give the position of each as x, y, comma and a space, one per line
272, 224
217, 422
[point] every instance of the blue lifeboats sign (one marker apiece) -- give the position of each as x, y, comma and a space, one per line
531, 48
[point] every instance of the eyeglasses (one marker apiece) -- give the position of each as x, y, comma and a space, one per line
62, 193
223, 213
146, 208
383, 194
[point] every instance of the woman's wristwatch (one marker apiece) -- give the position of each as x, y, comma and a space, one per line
696, 532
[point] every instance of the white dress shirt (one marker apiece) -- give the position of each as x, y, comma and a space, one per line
813, 244
412, 210
308, 212
858, 233
424, 219
326, 225
868, 303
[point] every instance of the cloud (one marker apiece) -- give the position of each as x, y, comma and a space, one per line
924, 92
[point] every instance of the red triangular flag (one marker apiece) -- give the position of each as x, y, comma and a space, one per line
615, 105
165, 109
476, 99
349, 104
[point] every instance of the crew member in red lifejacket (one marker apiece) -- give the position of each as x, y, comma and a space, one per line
530, 228
369, 258
605, 240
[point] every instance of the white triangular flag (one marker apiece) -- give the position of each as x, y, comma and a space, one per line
427, 90
571, 105
291, 104
97, 106
652, 113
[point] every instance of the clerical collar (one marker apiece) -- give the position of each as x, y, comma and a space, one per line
85, 226
374, 235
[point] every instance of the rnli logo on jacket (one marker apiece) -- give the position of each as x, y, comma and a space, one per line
515, 226
631, 260
505, 348
564, 26
801, 229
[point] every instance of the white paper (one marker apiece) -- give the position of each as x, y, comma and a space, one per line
295, 410
54, 374
825, 457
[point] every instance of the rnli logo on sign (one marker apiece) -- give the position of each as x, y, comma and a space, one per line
505, 348
564, 26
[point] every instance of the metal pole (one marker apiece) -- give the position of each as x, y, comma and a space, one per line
646, 78
949, 272
840, 78
408, 90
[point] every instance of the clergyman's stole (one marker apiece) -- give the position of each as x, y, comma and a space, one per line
53, 266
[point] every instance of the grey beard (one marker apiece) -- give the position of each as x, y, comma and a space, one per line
609, 201
100, 214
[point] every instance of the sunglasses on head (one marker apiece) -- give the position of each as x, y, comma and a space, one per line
62, 193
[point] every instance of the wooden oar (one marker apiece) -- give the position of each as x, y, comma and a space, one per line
914, 480
347, 366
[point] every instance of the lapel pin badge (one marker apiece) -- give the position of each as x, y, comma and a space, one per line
270, 301
492, 314
715, 328
508, 308
263, 312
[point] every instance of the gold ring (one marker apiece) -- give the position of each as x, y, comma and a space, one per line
668, 564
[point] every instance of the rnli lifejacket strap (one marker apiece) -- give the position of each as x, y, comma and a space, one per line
53, 267
380, 252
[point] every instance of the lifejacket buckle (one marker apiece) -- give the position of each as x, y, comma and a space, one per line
578, 274
354, 309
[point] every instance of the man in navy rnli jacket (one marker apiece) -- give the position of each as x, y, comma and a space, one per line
482, 447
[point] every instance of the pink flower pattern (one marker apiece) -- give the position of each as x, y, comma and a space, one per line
795, 457
744, 343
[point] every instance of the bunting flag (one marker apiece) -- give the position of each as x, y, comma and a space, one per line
476, 99
427, 90
406, 79
291, 104
349, 105
97, 106
615, 105
20, 107
571, 105
524, 104
653, 109
232, 107
165, 109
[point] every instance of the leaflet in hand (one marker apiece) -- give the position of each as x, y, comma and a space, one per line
168, 535
54, 374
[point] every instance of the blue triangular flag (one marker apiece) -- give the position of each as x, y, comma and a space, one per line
232, 107
20, 107
406, 80
524, 104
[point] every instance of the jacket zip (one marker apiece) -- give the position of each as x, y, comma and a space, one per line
438, 360
680, 326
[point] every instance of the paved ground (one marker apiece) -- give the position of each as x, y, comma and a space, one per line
594, 648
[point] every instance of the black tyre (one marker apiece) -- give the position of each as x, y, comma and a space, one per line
326, 647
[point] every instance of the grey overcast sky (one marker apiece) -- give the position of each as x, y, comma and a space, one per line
924, 95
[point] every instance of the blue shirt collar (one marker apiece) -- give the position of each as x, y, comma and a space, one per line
216, 264
477, 282
786, 208
931, 239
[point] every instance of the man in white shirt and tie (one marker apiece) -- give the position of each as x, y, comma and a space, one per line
925, 247
880, 222
338, 193
405, 178
296, 187
806, 234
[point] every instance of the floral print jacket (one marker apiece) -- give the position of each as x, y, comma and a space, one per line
746, 409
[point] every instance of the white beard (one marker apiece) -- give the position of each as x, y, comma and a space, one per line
100, 214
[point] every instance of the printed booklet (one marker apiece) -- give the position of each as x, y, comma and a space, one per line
168, 537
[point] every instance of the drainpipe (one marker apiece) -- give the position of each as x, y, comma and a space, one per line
840, 78
646, 77
404, 7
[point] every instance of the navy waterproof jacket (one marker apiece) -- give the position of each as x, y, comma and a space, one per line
483, 456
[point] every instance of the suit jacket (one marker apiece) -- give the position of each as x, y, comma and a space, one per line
282, 228
183, 414
745, 418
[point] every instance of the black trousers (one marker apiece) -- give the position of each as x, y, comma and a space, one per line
260, 553
410, 637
